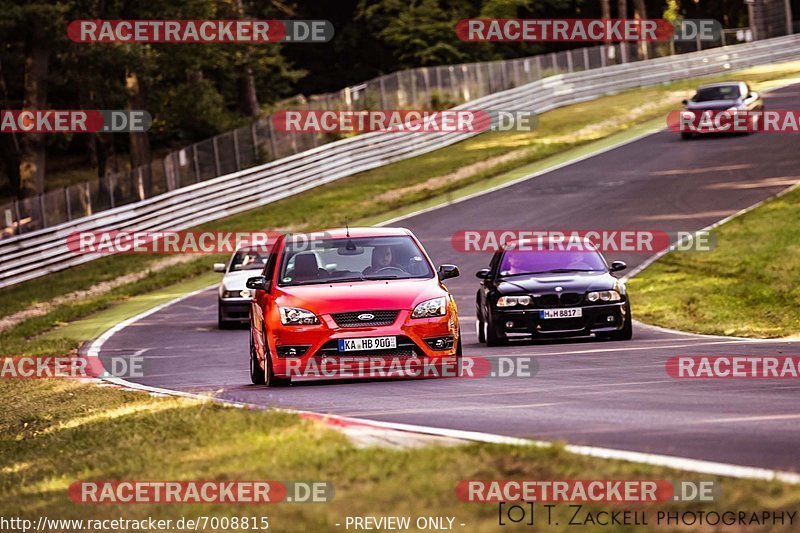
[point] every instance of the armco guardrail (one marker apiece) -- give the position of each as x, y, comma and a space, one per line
35, 254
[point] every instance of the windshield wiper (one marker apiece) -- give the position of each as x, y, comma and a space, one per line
368, 277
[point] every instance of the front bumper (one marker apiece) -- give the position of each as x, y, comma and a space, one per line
602, 318
234, 309
317, 345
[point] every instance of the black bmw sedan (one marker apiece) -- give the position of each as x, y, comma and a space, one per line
551, 291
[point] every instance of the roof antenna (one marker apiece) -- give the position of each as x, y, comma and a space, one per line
346, 227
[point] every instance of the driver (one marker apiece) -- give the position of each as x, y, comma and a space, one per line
382, 257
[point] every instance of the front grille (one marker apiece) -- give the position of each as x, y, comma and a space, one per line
405, 348
351, 320
558, 300
570, 298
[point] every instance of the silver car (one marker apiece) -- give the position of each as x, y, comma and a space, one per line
234, 297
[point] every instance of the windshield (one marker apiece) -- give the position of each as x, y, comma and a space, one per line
248, 260
725, 92
515, 262
356, 259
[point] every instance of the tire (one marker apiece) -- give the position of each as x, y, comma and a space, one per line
686, 135
256, 372
492, 338
270, 379
626, 333
459, 355
479, 325
221, 323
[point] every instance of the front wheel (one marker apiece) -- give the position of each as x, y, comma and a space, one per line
492, 338
480, 326
626, 333
256, 372
270, 379
221, 322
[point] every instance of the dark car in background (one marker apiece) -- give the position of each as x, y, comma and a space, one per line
727, 96
549, 292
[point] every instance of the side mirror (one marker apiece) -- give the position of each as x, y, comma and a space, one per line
483, 273
258, 283
448, 271
685, 102
616, 266
219, 267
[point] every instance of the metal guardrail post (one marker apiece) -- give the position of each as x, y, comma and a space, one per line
42, 210
272, 144
140, 184
67, 202
216, 155
110, 185
254, 136
196, 163
237, 157
19, 218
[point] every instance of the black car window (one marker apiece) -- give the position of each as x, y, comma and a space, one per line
515, 262
723, 92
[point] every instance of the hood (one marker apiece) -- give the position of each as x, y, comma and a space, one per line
362, 295
579, 282
236, 280
712, 105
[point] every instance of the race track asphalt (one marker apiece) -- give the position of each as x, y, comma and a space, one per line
609, 394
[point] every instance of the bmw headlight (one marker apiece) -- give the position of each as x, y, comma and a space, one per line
603, 296
511, 301
294, 316
429, 308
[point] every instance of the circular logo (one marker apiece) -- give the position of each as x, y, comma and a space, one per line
366, 316
559, 289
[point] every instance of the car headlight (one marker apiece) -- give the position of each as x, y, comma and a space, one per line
429, 308
605, 296
511, 301
294, 316
243, 293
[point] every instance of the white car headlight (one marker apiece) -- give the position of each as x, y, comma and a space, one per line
429, 308
605, 296
239, 293
294, 316
511, 301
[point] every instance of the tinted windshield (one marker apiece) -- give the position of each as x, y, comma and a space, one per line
248, 260
530, 262
357, 259
725, 92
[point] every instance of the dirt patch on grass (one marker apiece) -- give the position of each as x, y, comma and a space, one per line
453, 177
42, 308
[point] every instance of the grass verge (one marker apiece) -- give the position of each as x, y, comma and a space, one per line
60, 432
748, 286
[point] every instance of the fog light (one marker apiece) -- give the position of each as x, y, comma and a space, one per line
610, 318
509, 324
440, 343
292, 351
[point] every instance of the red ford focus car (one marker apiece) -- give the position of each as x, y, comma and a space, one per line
333, 297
